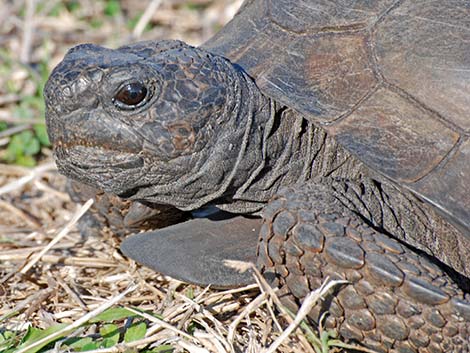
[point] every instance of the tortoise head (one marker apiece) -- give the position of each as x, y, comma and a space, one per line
156, 121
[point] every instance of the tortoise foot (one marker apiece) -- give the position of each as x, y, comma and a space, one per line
396, 300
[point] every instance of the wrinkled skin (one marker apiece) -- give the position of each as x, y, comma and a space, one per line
122, 217
166, 123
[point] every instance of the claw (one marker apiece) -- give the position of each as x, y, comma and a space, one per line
195, 251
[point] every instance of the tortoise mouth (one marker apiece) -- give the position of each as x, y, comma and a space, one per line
89, 157
94, 139
118, 172
97, 149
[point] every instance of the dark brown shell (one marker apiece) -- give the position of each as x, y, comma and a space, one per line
389, 79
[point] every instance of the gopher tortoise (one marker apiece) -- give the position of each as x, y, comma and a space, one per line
345, 124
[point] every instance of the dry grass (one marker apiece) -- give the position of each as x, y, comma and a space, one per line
49, 273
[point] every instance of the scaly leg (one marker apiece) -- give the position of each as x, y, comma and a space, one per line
396, 300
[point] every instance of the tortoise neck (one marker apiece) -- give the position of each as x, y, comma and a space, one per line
284, 148
280, 152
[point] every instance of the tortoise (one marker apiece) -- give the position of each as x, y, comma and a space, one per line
343, 124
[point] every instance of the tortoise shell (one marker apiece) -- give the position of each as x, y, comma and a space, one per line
389, 79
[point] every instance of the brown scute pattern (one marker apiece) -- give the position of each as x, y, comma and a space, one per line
395, 137
422, 47
396, 301
335, 74
450, 185
300, 15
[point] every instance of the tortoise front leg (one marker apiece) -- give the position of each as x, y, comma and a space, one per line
396, 301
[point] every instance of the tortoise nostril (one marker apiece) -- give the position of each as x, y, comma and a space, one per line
81, 85
67, 92
96, 75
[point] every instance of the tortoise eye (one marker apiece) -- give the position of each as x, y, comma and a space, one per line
130, 95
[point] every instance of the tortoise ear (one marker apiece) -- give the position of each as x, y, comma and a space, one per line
195, 251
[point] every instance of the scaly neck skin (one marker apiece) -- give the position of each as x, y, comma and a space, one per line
277, 155
283, 149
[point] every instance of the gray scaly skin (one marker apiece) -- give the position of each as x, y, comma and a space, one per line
122, 217
166, 123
